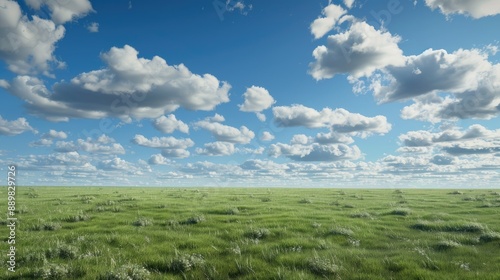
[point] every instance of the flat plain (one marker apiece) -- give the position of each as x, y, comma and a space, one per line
254, 233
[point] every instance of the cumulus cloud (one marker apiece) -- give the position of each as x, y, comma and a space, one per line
171, 146
27, 46
63, 11
41, 143
315, 152
358, 52
118, 164
93, 27
349, 3
216, 118
226, 133
167, 124
46, 139
438, 71
72, 161
424, 138
339, 120
103, 145
257, 99
217, 149
333, 138
15, 127
128, 87
158, 159
53, 134
476, 9
266, 136
331, 16
162, 142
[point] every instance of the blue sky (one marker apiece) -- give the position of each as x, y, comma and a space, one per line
396, 93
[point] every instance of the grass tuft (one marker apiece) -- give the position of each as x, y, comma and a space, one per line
400, 212
260, 233
322, 266
446, 245
489, 237
142, 222
340, 231
194, 220
127, 272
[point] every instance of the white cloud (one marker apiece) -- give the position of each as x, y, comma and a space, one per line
438, 71
103, 145
72, 161
46, 139
257, 99
476, 9
171, 147
315, 152
424, 138
358, 52
158, 159
175, 153
267, 136
162, 142
331, 15
15, 127
349, 3
42, 143
63, 11
333, 138
93, 27
129, 87
167, 124
52, 134
27, 46
217, 149
226, 133
216, 118
340, 120
116, 164
240, 6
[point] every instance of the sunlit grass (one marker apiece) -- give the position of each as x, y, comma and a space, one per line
243, 233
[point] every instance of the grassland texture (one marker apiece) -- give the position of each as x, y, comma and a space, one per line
244, 233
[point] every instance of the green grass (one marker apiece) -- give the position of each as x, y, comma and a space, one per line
244, 233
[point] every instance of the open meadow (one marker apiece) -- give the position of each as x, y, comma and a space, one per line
254, 233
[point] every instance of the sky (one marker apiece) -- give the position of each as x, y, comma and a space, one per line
342, 93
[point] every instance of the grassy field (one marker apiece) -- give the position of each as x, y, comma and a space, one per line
243, 233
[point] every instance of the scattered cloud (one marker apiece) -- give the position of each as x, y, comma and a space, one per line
168, 124
93, 27
226, 133
128, 87
438, 71
358, 52
103, 145
63, 11
15, 127
28, 45
217, 149
240, 6
315, 152
476, 9
339, 120
53, 134
331, 16
158, 159
266, 136
162, 142
171, 147
257, 99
